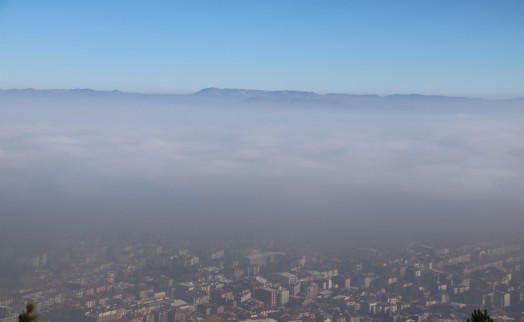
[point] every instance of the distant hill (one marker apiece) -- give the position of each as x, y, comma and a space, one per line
232, 92
235, 96
250, 93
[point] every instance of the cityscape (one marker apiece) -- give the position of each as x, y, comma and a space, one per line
157, 279
261, 161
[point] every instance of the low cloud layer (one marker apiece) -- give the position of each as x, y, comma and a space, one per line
390, 172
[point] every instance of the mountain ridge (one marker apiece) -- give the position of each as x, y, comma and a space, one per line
239, 93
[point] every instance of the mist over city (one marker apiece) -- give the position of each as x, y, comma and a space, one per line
261, 161
287, 165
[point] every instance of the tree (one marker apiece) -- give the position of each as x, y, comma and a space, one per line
479, 316
29, 314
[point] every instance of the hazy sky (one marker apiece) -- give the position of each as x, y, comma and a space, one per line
471, 48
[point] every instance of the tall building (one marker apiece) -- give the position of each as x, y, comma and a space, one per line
283, 296
266, 295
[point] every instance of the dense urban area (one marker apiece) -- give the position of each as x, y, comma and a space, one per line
157, 280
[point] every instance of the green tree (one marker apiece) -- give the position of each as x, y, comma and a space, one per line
29, 314
480, 316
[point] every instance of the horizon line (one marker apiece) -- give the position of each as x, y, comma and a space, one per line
258, 90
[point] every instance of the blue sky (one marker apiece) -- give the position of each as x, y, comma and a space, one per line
471, 48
